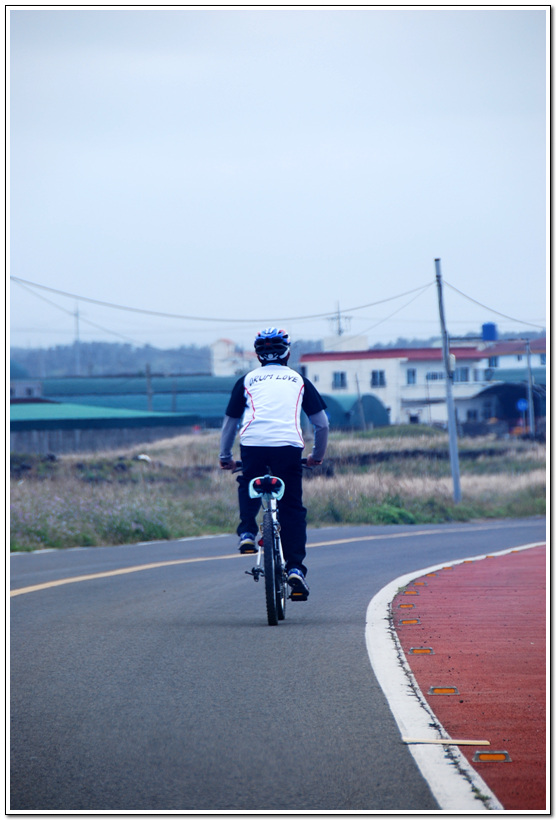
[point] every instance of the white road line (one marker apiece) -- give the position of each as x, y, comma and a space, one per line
452, 780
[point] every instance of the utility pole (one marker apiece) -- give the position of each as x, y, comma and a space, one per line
360, 404
530, 406
77, 343
340, 325
452, 425
149, 388
339, 321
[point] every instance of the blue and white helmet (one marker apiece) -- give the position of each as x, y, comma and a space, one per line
272, 345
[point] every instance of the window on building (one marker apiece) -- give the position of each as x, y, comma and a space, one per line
411, 375
543, 358
435, 375
493, 361
472, 415
339, 380
316, 377
519, 357
378, 378
478, 375
461, 374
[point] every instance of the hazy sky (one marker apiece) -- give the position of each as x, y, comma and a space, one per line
267, 165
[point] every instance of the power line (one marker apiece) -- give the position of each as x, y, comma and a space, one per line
381, 321
386, 318
511, 318
72, 313
250, 320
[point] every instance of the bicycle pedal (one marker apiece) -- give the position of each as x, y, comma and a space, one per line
299, 596
256, 572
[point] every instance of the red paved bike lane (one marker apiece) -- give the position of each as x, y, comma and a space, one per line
477, 630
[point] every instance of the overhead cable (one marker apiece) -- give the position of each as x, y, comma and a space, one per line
72, 313
227, 320
386, 318
511, 318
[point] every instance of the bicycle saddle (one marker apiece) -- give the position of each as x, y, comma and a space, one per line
267, 485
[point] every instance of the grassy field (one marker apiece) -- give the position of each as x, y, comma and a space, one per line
389, 476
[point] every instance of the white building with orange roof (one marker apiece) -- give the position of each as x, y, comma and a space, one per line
411, 382
228, 359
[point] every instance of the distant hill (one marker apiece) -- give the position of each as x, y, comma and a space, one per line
17, 371
109, 359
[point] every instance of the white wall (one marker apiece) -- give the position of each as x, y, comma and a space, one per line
425, 398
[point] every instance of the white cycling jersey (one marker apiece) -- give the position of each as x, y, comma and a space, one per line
274, 396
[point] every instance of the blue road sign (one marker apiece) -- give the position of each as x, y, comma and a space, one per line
522, 405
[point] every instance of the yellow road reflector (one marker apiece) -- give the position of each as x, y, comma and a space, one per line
430, 575
491, 757
409, 621
406, 606
443, 690
420, 583
410, 592
451, 741
421, 650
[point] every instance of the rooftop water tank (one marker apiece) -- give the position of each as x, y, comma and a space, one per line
490, 332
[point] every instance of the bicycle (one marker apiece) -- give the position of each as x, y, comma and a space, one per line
270, 557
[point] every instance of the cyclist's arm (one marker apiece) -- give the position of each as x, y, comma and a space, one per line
234, 412
320, 423
227, 437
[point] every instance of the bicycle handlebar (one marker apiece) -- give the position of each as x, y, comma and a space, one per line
239, 466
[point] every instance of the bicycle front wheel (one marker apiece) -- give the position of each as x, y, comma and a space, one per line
269, 569
281, 584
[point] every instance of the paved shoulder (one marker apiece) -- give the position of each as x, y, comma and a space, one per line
467, 642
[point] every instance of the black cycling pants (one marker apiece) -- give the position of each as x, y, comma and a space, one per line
284, 462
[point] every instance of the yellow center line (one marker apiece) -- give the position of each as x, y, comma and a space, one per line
124, 571
75, 579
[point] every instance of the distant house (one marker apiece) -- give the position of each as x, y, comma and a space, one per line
410, 382
227, 359
508, 368
512, 356
25, 390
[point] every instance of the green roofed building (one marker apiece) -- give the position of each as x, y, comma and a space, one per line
47, 427
348, 412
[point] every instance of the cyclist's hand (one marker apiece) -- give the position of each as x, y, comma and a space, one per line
228, 465
311, 462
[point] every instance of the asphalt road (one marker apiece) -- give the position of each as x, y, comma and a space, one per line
165, 689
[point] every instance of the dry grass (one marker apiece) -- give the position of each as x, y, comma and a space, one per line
380, 485
111, 498
199, 450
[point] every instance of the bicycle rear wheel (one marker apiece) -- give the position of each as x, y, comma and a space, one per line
281, 584
269, 569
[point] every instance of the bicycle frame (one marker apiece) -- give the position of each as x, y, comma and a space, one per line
270, 562
270, 489
269, 493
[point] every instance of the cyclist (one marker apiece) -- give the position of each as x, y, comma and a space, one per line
268, 403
